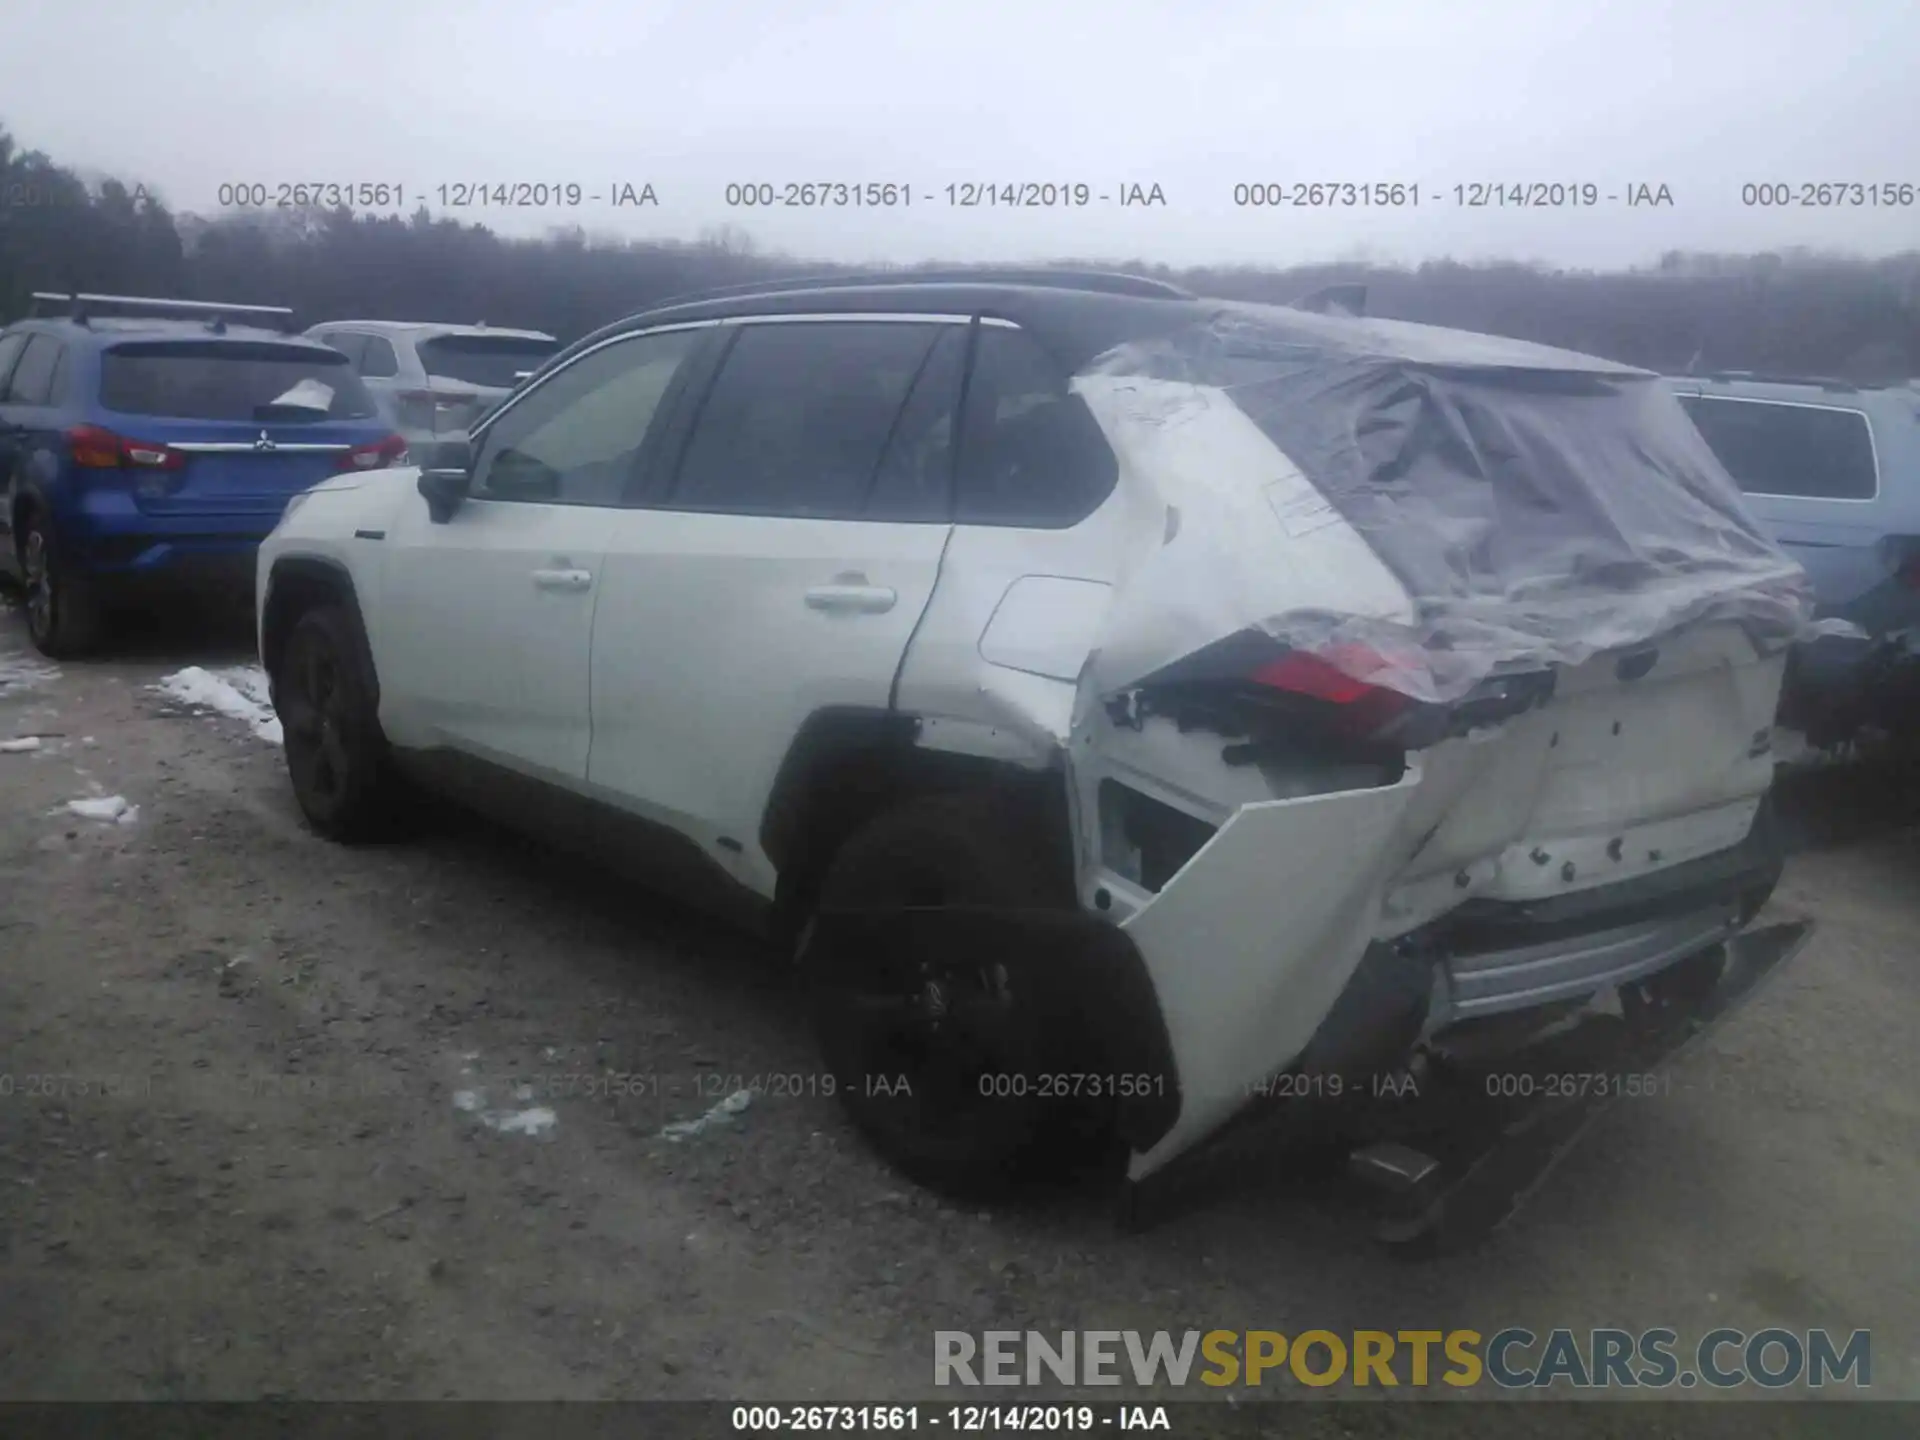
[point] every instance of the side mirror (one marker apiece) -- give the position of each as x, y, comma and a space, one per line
455, 453
444, 490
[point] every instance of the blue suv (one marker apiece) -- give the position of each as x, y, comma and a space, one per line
1832, 470
150, 445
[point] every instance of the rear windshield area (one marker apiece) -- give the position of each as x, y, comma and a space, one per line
231, 380
1771, 448
490, 360
1498, 491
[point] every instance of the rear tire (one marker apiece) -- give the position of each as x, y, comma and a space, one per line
337, 757
63, 612
944, 1028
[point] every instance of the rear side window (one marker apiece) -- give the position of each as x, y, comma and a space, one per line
350, 345
915, 479
800, 416
490, 360
1031, 453
10, 348
1770, 448
231, 380
33, 377
378, 360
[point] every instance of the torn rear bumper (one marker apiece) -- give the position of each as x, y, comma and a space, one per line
1457, 987
1445, 1152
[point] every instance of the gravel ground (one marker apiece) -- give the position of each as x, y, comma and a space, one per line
319, 1125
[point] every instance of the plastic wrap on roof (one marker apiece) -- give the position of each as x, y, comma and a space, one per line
1537, 505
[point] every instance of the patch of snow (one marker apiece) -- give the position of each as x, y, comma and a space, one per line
17, 672
20, 746
236, 691
103, 807
535, 1120
721, 1114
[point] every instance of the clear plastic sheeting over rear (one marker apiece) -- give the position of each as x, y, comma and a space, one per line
1538, 506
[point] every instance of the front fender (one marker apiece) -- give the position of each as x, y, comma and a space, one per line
339, 526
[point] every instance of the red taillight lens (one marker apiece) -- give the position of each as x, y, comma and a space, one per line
93, 448
1909, 572
1335, 679
390, 451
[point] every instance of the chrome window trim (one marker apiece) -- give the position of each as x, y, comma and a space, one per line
475, 436
855, 317
252, 447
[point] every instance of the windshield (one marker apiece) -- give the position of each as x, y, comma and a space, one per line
231, 380
491, 360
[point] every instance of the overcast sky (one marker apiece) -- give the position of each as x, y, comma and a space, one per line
1195, 96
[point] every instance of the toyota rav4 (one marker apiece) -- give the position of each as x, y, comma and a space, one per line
1119, 701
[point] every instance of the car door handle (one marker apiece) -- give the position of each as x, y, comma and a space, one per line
852, 599
572, 580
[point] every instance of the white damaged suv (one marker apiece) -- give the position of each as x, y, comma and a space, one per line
1121, 701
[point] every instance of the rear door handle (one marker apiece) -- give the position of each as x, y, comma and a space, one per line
570, 580
852, 599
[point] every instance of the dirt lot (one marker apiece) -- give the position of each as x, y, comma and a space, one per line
317, 1125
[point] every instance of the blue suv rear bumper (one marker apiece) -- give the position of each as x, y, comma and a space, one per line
105, 534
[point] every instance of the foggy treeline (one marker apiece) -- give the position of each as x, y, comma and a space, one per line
1797, 313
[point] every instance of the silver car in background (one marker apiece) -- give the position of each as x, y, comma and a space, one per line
434, 381
1831, 468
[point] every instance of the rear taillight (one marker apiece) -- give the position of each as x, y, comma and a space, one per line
1909, 572
436, 409
1360, 706
390, 451
93, 448
1343, 701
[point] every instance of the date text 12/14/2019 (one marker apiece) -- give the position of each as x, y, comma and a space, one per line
956, 1419
1480, 195
381, 195
963, 195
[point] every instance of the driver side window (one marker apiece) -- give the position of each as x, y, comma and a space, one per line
575, 439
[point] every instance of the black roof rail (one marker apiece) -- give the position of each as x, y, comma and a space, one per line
1758, 377
1333, 300
79, 306
1103, 282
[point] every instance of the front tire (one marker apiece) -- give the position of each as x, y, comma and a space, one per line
337, 754
964, 1035
63, 613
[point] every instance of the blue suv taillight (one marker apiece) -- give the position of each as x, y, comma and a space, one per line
390, 451
94, 448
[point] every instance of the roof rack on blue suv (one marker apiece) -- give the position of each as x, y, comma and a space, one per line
1104, 282
79, 307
